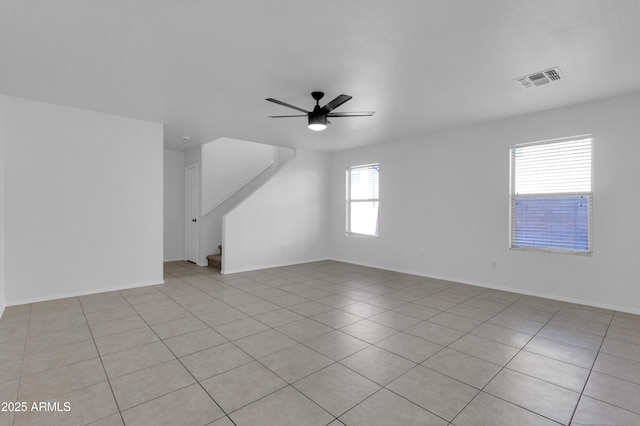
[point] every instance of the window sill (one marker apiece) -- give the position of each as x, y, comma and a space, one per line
555, 251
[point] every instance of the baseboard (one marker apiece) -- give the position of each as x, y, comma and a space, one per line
503, 288
173, 260
2, 310
278, 265
82, 293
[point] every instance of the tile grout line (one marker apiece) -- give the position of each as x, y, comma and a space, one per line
505, 365
101, 362
24, 353
179, 360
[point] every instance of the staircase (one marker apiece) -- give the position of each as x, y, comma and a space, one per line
215, 260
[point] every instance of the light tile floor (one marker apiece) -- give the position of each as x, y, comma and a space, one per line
323, 343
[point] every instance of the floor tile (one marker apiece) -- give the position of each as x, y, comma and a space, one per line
593, 412
265, 343
37, 361
243, 385
130, 360
433, 343
484, 349
45, 342
386, 408
498, 334
195, 341
304, 329
621, 349
615, 391
284, 407
296, 362
110, 314
117, 326
486, 409
51, 383
410, 347
125, 340
336, 344
362, 309
309, 309
10, 369
543, 398
435, 333
573, 337
336, 388
444, 396
516, 323
222, 316
87, 405
187, 406
435, 303
572, 354
177, 327
241, 328
624, 334
462, 367
378, 365
451, 297
456, 322
113, 420
216, 360
385, 302
579, 325
559, 373
472, 312
150, 383
45, 326
395, 320
336, 318
417, 311
278, 317
259, 307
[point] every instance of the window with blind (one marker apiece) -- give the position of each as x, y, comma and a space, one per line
363, 200
551, 195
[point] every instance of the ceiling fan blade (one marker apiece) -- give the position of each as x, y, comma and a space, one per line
275, 101
336, 102
286, 116
351, 114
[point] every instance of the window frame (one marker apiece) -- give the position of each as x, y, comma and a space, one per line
349, 202
513, 196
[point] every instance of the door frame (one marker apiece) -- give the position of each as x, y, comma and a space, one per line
187, 224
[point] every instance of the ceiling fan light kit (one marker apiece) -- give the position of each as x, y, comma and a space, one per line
318, 117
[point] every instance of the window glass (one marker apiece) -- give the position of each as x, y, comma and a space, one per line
363, 199
551, 198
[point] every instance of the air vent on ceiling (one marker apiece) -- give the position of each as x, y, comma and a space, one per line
540, 78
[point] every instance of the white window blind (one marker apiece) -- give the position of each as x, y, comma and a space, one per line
363, 199
551, 195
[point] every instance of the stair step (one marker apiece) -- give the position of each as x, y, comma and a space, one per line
215, 260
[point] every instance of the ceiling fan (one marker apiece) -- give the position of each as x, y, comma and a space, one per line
318, 117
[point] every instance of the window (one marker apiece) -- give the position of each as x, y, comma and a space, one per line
551, 198
362, 200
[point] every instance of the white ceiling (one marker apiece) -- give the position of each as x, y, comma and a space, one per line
204, 67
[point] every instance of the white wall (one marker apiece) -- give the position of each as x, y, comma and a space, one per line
83, 201
211, 223
229, 164
2, 167
444, 207
173, 205
284, 222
